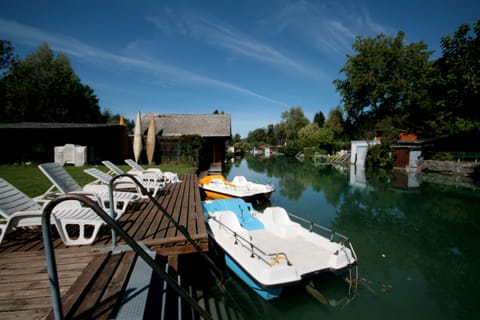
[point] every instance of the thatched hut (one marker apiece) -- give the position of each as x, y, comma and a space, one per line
174, 131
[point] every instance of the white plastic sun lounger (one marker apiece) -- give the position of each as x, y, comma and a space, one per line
169, 177
151, 181
105, 179
64, 183
19, 210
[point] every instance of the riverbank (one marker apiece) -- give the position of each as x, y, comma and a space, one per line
466, 169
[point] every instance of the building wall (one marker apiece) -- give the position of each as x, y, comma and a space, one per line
359, 149
20, 145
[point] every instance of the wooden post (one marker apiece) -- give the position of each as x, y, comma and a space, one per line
173, 262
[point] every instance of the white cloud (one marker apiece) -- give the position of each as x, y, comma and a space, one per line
219, 34
71, 46
331, 27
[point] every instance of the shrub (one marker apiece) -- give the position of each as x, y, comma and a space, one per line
291, 149
379, 156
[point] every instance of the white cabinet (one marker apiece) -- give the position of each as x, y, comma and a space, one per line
70, 154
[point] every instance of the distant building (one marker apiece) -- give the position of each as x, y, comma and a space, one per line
214, 129
359, 149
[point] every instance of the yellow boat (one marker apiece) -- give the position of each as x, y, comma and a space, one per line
217, 187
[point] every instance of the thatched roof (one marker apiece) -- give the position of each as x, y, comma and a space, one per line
176, 125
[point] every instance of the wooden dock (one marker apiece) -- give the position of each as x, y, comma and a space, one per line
93, 282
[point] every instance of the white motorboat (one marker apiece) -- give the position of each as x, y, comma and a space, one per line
269, 251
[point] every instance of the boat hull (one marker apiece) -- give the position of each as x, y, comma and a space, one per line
266, 293
213, 195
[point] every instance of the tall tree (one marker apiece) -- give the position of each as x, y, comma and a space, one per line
386, 78
280, 135
42, 87
309, 135
335, 123
313, 136
294, 120
257, 136
270, 135
7, 56
7, 60
319, 119
458, 90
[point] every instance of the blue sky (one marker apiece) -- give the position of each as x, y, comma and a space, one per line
252, 59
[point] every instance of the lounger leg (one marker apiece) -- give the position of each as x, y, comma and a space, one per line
62, 225
3, 230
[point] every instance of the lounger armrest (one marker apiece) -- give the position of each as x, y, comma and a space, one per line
89, 194
26, 219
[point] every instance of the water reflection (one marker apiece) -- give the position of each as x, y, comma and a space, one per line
417, 241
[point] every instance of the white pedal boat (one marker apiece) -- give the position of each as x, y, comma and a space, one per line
217, 187
269, 251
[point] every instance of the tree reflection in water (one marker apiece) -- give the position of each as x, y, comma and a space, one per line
417, 241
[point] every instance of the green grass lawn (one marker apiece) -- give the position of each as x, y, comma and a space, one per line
30, 180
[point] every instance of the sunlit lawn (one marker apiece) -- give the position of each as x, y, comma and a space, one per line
30, 180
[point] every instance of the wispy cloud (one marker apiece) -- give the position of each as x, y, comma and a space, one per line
73, 47
329, 26
216, 33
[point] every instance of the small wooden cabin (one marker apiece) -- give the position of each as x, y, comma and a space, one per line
170, 129
407, 152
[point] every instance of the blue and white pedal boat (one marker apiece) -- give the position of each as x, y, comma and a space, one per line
269, 251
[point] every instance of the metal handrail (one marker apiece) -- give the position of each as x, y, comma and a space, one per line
331, 232
50, 254
312, 224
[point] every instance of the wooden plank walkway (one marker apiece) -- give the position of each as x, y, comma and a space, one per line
93, 282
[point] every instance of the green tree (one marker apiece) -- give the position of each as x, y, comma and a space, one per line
292, 148
45, 88
270, 135
7, 60
326, 140
7, 56
236, 138
385, 78
380, 155
257, 136
319, 119
294, 120
335, 123
313, 136
458, 86
309, 135
280, 134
